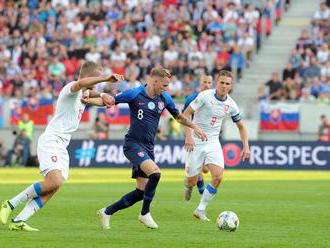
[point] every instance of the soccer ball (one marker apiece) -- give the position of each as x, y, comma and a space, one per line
228, 221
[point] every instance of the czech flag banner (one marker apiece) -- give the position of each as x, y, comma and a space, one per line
117, 115
279, 117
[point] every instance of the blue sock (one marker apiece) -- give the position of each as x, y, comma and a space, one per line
200, 184
149, 192
126, 201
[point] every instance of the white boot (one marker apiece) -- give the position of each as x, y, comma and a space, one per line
104, 219
148, 221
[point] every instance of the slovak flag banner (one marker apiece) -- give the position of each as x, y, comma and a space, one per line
117, 115
38, 109
279, 117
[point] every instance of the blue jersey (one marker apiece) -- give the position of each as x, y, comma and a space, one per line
189, 99
145, 113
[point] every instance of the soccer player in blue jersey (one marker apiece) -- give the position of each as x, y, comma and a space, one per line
206, 82
146, 104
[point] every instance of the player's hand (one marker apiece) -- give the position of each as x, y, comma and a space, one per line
245, 153
200, 134
189, 144
115, 78
108, 100
85, 96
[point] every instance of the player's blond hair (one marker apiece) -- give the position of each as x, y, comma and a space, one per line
225, 73
160, 72
89, 69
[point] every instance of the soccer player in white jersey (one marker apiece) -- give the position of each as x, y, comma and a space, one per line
209, 109
206, 82
51, 150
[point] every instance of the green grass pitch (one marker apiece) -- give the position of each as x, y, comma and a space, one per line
276, 209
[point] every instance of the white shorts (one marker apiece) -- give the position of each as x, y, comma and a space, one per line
53, 155
207, 153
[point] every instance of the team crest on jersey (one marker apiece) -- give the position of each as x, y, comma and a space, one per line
140, 154
151, 105
54, 159
161, 105
226, 107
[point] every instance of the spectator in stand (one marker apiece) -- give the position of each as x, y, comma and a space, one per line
324, 129
27, 125
306, 96
175, 87
275, 87
20, 150
101, 127
288, 72
316, 87
322, 16
247, 44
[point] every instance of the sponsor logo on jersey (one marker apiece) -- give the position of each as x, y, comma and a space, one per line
161, 105
54, 159
215, 103
151, 105
140, 154
141, 103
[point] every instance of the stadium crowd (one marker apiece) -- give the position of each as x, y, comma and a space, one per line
306, 77
42, 43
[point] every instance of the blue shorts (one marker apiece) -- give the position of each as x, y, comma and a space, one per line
137, 153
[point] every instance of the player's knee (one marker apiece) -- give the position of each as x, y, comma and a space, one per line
57, 183
191, 182
205, 170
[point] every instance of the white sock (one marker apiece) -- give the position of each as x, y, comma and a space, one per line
208, 194
31, 207
34, 190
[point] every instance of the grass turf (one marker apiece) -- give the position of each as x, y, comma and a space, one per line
276, 209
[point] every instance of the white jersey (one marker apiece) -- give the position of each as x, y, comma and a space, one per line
210, 111
69, 110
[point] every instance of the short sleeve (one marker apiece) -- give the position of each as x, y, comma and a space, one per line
235, 113
127, 96
66, 91
170, 105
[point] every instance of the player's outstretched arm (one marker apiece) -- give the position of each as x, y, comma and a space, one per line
189, 142
90, 97
96, 101
90, 81
186, 122
244, 138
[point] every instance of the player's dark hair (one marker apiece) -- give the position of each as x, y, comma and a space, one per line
89, 69
160, 72
225, 73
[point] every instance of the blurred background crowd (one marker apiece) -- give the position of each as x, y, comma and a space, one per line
42, 43
306, 77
